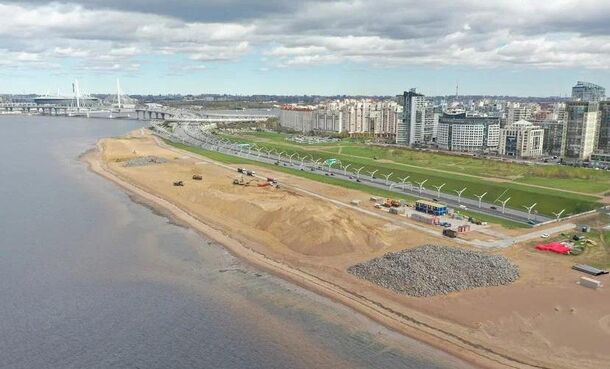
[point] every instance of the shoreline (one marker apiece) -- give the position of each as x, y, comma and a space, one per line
471, 352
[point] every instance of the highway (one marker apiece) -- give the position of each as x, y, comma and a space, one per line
199, 136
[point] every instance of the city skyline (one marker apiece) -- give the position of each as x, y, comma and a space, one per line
314, 48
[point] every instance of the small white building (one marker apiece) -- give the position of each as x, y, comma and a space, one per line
521, 139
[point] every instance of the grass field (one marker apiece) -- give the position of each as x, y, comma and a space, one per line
229, 159
463, 175
560, 177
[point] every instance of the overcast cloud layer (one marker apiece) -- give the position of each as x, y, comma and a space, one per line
120, 35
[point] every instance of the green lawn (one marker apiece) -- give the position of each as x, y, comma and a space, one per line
554, 176
229, 159
548, 201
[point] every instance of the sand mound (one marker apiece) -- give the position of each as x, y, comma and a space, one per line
322, 231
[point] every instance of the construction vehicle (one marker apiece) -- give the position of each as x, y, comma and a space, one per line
449, 233
197, 177
250, 173
242, 182
240, 170
178, 183
391, 203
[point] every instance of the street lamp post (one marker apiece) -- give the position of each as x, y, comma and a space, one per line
421, 185
480, 197
373, 173
459, 193
558, 215
345, 169
504, 204
529, 209
403, 180
438, 190
387, 178
358, 172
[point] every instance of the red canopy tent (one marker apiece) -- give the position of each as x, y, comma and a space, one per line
557, 247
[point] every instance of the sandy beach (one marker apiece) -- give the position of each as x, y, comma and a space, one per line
302, 233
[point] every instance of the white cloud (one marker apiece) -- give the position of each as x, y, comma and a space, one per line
105, 36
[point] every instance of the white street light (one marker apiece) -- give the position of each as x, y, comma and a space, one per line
345, 169
358, 172
403, 180
373, 173
387, 178
279, 155
438, 189
421, 185
459, 193
529, 209
480, 197
290, 157
504, 204
558, 215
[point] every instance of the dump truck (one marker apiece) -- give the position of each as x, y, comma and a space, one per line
197, 177
240, 170
449, 233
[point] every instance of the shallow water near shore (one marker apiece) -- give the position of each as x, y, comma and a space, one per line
91, 279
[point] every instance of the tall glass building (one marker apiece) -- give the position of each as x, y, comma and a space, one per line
586, 91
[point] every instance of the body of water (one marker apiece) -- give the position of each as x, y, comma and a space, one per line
90, 278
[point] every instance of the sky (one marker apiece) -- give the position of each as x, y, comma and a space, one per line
288, 47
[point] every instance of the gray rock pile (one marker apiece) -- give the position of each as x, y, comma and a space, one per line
144, 160
431, 270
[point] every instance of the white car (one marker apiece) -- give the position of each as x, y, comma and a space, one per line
544, 235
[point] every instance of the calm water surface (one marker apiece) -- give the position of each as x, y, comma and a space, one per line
91, 279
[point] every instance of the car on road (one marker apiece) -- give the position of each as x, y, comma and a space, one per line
544, 235
493, 208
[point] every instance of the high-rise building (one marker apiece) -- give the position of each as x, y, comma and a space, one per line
580, 130
458, 132
553, 137
603, 142
384, 117
430, 124
521, 139
517, 113
586, 91
297, 118
410, 129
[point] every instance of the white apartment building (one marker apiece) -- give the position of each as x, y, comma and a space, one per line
521, 139
457, 132
518, 112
